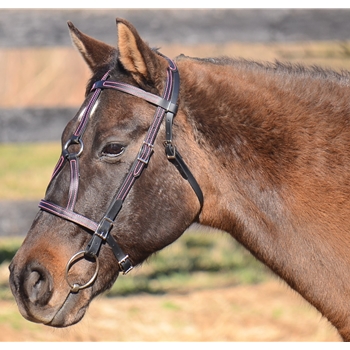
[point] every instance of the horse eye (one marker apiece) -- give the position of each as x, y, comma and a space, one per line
113, 150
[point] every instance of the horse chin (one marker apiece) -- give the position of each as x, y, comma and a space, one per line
75, 306
71, 311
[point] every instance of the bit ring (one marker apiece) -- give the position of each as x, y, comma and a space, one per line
75, 287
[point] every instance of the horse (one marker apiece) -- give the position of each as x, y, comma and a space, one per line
258, 150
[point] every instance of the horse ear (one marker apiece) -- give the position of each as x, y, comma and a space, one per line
135, 55
95, 52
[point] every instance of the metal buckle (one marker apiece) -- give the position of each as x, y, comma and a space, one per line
104, 232
168, 148
121, 262
150, 146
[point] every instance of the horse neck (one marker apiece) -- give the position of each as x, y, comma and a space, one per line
272, 180
236, 118
262, 131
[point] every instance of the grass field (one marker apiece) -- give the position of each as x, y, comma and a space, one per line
26, 169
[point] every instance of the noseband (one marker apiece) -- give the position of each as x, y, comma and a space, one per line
166, 108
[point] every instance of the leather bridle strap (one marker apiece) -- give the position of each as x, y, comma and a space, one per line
169, 101
132, 90
166, 106
173, 154
170, 107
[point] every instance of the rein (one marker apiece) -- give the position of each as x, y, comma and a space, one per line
166, 109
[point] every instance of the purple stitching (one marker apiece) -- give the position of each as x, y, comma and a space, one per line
126, 185
57, 167
74, 184
126, 87
84, 119
91, 103
68, 214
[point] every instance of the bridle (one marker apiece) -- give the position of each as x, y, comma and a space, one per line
166, 109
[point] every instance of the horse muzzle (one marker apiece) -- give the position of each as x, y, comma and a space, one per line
40, 300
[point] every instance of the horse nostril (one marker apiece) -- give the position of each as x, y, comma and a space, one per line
37, 284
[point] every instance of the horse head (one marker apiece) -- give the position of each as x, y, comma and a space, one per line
114, 197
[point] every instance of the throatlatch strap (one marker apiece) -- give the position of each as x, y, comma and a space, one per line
172, 153
187, 175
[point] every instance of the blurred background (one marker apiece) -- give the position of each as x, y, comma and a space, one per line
41, 87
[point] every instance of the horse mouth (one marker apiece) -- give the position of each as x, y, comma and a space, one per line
65, 313
70, 313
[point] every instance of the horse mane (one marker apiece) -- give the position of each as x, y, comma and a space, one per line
278, 67
287, 69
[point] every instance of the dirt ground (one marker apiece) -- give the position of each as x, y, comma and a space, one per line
265, 312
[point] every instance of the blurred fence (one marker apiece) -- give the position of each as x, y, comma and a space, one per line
33, 124
29, 28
